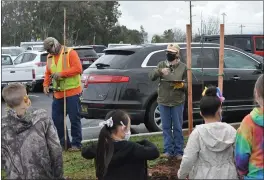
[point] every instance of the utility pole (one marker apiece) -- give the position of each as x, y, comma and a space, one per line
201, 24
241, 28
223, 14
191, 18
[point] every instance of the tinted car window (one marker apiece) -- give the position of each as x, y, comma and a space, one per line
86, 52
259, 43
156, 58
234, 59
28, 57
6, 60
243, 43
201, 57
99, 49
43, 57
115, 59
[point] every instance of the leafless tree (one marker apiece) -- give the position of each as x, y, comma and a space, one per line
179, 35
211, 26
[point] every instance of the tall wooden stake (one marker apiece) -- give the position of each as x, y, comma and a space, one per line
221, 58
189, 77
65, 114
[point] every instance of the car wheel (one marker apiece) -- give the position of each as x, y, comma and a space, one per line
153, 122
38, 88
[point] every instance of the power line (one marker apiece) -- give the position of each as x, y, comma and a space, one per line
241, 28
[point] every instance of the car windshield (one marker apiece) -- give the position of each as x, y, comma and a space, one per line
86, 52
12, 52
99, 49
6, 60
114, 59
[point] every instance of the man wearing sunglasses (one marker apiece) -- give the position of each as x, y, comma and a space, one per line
63, 71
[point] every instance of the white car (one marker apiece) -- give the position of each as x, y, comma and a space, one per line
36, 48
13, 51
36, 60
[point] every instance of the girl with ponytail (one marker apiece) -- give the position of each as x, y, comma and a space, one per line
115, 156
209, 150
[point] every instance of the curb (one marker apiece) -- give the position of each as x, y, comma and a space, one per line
185, 133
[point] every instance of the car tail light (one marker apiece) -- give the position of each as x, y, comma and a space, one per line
33, 74
40, 64
95, 79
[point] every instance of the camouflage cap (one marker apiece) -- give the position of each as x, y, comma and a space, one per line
174, 47
49, 42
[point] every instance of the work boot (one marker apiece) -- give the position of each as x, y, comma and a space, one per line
165, 155
74, 149
178, 157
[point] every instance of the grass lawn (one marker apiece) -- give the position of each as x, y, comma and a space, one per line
76, 167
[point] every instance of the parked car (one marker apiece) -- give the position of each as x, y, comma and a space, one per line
13, 51
119, 80
6, 60
35, 60
99, 49
252, 43
25, 75
86, 54
25, 45
36, 48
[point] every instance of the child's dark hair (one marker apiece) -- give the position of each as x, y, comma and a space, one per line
210, 102
105, 146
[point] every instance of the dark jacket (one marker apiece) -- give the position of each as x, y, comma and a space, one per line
30, 146
129, 161
167, 95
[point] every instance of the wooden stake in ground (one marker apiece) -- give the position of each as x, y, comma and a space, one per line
221, 58
65, 114
189, 77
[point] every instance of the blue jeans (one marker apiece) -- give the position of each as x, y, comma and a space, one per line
73, 105
172, 117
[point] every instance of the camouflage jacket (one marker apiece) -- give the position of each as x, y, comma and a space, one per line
30, 146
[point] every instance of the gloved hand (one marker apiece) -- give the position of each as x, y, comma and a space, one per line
56, 76
178, 85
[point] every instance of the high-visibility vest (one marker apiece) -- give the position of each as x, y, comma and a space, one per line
63, 64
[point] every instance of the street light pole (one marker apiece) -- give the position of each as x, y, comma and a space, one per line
191, 19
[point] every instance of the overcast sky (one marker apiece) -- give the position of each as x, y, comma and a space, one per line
157, 16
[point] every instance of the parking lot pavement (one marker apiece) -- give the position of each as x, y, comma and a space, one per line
90, 127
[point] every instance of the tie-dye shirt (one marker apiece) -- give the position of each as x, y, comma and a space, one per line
250, 146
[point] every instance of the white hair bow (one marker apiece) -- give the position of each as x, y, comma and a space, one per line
108, 123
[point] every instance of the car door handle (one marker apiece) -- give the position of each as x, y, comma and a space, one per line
12, 71
235, 78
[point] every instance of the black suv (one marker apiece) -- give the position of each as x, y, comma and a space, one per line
86, 54
119, 80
